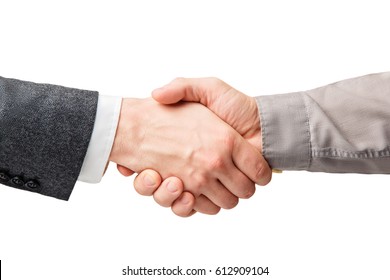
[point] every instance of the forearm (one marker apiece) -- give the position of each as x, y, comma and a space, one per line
44, 135
342, 127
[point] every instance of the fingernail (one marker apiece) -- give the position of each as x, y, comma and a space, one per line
171, 187
149, 180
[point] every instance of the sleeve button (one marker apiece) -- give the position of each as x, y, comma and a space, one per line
32, 184
4, 177
17, 181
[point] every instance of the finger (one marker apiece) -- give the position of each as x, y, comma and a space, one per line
237, 182
123, 170
206, 206
183, 206
147, 182
220, 195
250, 161
170, 189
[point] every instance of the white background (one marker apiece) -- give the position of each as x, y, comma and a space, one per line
302, 226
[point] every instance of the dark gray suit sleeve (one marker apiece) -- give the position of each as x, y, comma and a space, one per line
44, 135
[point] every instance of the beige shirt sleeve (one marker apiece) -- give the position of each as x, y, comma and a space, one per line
342, 127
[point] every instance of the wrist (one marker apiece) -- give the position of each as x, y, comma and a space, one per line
126, 139
254, 135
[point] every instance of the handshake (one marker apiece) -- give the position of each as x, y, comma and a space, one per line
197, 146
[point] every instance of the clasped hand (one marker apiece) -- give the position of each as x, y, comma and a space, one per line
196, 146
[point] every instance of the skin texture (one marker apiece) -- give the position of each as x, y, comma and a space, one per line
235, 108
188, 141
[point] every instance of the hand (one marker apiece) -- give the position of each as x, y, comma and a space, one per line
235, 108
187, 140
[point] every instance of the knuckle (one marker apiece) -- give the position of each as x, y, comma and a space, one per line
197, 185
214, 211
201, 182
244, 187
246, 190
230, 203
228, 140
266, 179
225, 142
216, 163
249, 193
211, 209
261, 173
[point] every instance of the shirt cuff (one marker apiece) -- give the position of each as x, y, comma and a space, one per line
285, 131
102, 139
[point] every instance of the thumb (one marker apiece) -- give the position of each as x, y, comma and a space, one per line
179, 89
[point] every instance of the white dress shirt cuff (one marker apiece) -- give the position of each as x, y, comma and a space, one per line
102, 139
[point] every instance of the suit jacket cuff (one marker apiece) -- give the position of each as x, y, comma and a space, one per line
102, 139
285, 131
